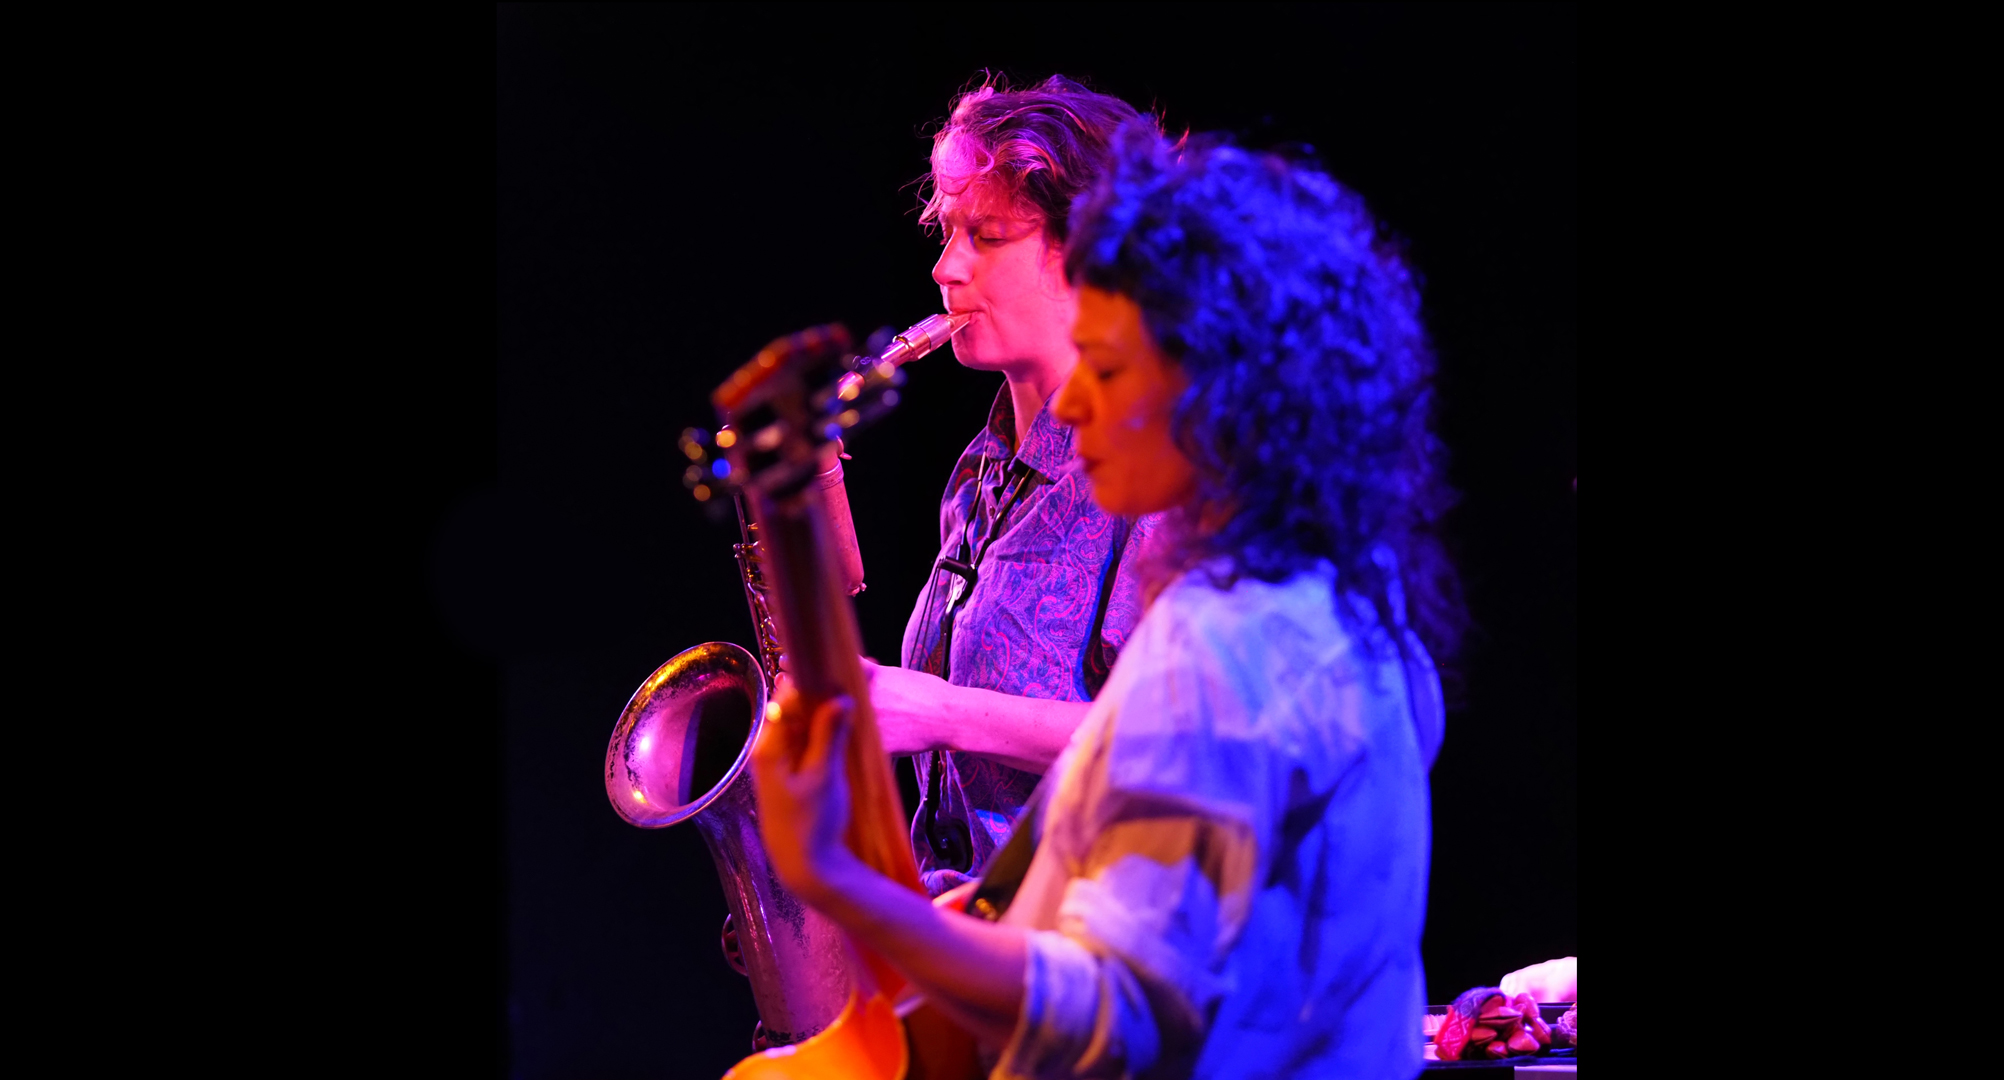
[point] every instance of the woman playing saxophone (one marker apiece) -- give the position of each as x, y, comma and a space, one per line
1034, 590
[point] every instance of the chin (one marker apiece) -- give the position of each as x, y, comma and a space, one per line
1112, 500
969, 355
1131, 500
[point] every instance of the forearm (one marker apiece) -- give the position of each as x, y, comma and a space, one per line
970, 968
1022, 732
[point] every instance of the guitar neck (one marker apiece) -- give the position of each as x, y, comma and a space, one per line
783, 412
817, 624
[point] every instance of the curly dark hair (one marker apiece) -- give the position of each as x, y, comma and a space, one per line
1311, 378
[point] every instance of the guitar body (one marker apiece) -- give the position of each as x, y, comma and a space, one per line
939, 1049
865, 1041
782, 414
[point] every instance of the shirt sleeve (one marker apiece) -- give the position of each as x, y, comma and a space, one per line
1240, 748
1130, 974
1125, 604
1154, 834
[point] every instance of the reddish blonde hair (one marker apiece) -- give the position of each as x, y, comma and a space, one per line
1037, 149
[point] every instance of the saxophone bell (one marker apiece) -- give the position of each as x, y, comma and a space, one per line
685, 735
681, 752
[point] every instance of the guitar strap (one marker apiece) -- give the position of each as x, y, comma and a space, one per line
1093, 673
1009, 866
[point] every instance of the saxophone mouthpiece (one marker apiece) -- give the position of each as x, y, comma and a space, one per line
942, 327
931, 333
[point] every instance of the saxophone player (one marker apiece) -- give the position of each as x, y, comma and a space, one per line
1229, 859
1034, 590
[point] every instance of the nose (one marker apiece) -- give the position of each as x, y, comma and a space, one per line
956, 262
1074, 405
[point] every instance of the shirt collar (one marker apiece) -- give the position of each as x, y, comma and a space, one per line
1048, 446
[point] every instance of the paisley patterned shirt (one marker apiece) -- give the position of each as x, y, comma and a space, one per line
1028, 567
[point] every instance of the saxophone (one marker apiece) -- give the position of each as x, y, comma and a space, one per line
680, 749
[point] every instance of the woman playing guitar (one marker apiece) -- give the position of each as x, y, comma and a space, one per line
1224, 873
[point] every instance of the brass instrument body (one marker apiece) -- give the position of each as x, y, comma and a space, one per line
680, 753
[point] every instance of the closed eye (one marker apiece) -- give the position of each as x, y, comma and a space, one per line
946, 237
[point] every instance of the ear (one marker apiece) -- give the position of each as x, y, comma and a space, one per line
1054, 248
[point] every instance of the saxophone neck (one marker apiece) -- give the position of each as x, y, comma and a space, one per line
745, 527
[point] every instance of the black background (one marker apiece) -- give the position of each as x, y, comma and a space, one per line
676, 186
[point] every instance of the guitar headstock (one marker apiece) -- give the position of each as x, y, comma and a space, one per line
783, 412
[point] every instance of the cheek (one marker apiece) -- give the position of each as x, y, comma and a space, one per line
1145, 418
1021, 274
1156, 479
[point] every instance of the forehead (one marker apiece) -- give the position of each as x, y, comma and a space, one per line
1107, 318
965, 191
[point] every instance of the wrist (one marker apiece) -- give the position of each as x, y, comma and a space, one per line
937, 728
833, 878
838, 880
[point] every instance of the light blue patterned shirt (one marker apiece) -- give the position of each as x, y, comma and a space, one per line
1231, 877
